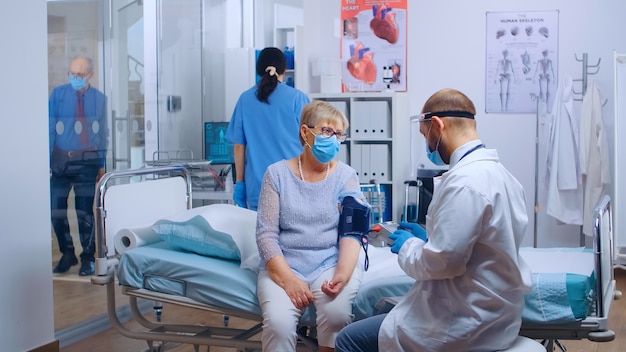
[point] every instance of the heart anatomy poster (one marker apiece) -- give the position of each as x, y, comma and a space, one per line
373, 45
522, 60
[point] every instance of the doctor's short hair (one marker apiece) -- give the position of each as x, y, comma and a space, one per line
320, 111
449, 99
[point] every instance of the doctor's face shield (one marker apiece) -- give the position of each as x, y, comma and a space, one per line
422, 127
427, 116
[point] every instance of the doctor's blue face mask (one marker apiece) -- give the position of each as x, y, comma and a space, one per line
434, 156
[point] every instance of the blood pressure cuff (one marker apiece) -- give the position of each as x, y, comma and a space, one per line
354, 218
354, 221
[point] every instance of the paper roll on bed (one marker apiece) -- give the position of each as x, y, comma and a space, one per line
126, 239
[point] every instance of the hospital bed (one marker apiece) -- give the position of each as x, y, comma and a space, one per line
157, 271
594, 285
160, 271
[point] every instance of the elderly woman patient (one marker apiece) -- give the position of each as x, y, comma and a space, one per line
303, 260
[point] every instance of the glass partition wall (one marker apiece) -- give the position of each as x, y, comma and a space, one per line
161, 66
75, 28
148, 63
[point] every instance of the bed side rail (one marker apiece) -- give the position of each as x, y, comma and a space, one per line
103, 249
603, 252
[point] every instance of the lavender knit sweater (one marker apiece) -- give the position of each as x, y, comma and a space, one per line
299, 220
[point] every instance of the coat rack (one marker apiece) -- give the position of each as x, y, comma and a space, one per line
587, 71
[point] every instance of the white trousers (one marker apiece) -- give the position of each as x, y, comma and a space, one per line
280, 316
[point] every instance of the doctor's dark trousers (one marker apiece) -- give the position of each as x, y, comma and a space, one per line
360, 336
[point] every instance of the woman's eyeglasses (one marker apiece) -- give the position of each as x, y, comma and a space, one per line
329, 132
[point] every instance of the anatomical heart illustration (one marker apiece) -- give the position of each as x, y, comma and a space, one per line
373, 45
384, 23
361, 65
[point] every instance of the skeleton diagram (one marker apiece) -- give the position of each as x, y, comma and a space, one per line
504, 75
545, 73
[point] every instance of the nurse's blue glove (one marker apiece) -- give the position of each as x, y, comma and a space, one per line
416, 229
239, 195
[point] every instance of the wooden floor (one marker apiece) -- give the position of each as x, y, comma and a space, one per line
111, 340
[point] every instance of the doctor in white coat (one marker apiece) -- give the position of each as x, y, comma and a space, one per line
470, 279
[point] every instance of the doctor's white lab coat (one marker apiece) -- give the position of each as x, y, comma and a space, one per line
564, 180
594, 154
470, 280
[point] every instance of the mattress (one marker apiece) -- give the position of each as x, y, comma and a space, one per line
563, 279
562, 285
159, 267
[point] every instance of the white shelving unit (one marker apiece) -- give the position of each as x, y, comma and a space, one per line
291, 37
378, 140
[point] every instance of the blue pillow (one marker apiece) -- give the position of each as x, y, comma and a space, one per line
196, 235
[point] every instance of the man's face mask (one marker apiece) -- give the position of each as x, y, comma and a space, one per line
78, 82
434, 156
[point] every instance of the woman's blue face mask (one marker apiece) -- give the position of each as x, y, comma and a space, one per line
324, 148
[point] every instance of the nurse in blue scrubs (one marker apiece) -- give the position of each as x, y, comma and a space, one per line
264, 126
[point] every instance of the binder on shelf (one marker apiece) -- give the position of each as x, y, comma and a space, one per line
366, 168
379, 119
379, 162
360, 120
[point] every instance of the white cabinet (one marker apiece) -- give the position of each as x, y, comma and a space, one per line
378, 141
291, 37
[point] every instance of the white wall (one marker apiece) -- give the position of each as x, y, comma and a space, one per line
266, 18
446, 48
25, 256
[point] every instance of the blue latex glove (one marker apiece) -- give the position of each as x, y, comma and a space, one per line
416, 229
399, 237
239, 195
